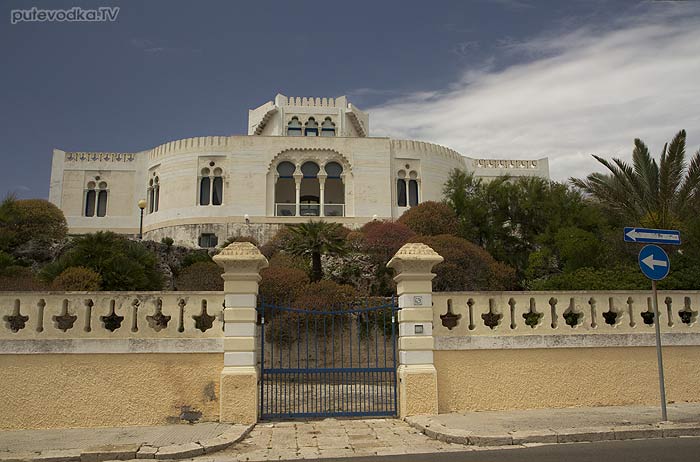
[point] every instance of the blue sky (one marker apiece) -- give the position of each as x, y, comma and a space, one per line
504, 79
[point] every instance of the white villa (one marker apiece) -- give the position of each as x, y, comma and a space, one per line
302, 158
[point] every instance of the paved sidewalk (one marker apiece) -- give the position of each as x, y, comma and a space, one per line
98, 444
501, 428
330, 438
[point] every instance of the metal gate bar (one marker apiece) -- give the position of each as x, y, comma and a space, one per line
323, 363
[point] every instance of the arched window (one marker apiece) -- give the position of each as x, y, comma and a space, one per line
211, 186
401, 192
217, 195
151, 196
294, 127
311, 127
413, 188
310, 190
204, 187
102, 200
90, 200
334, 191
156, 194
286, 170
285, 190
328, 127
401, 189
412, 192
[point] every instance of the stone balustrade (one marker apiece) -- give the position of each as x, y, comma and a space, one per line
490, 320
111, 322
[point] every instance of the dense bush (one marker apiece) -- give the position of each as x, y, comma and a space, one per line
77, 278
121, 263
18, 278
282, 284
195, 256
203, 275
620, 278
325, 295
30, 219
467, 266
430, 219
382, 239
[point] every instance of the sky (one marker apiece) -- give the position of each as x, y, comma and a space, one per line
506, 79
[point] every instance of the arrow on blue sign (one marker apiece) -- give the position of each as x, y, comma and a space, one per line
653, 236
653, 262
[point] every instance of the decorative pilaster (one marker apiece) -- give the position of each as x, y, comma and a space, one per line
418, 392
242, 262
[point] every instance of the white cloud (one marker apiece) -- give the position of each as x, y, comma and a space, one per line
582, 92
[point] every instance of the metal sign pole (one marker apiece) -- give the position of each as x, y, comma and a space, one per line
659, 357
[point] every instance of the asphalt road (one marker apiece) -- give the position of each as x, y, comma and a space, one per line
656, 450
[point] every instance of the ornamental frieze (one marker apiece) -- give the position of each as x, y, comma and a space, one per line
100, 157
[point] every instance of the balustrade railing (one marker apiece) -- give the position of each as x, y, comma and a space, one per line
459, 314
58, 315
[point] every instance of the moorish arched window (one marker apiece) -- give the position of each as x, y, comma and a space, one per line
294, 127
333, 195
413, 189
211, 186
217, 190
90, 199
311, 127
401, 189
102, 200
328, 127
205, 187
285, 190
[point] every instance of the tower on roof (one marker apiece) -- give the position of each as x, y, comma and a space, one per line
297, 116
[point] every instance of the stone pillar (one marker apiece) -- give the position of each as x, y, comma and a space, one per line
322, 192
418, 392
242, 262
297, 186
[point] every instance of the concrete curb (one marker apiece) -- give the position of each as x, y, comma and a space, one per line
134, 451
440, 432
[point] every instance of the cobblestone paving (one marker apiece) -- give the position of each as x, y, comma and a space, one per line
330, 438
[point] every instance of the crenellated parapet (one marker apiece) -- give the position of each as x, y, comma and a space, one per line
206, 143
282, 100
430, 148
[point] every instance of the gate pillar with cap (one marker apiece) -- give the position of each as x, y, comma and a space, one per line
418, 392
242, 262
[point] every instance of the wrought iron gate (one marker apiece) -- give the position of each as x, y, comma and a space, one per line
339, 361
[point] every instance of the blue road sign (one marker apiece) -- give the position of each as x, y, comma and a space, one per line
654, 262
653, 236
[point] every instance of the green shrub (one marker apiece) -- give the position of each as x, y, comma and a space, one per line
195, 256
122, 264
431, 219
77, 278
619, 278
30, 219
467, 266
200, 276
168, 242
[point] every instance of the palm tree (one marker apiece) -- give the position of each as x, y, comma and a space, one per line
657, 195
314, 239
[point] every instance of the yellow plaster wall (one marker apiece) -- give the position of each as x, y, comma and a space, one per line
471, 380
91, 390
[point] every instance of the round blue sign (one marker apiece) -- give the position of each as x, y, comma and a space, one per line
654, 262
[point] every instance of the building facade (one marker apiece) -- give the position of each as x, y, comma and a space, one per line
302, 158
